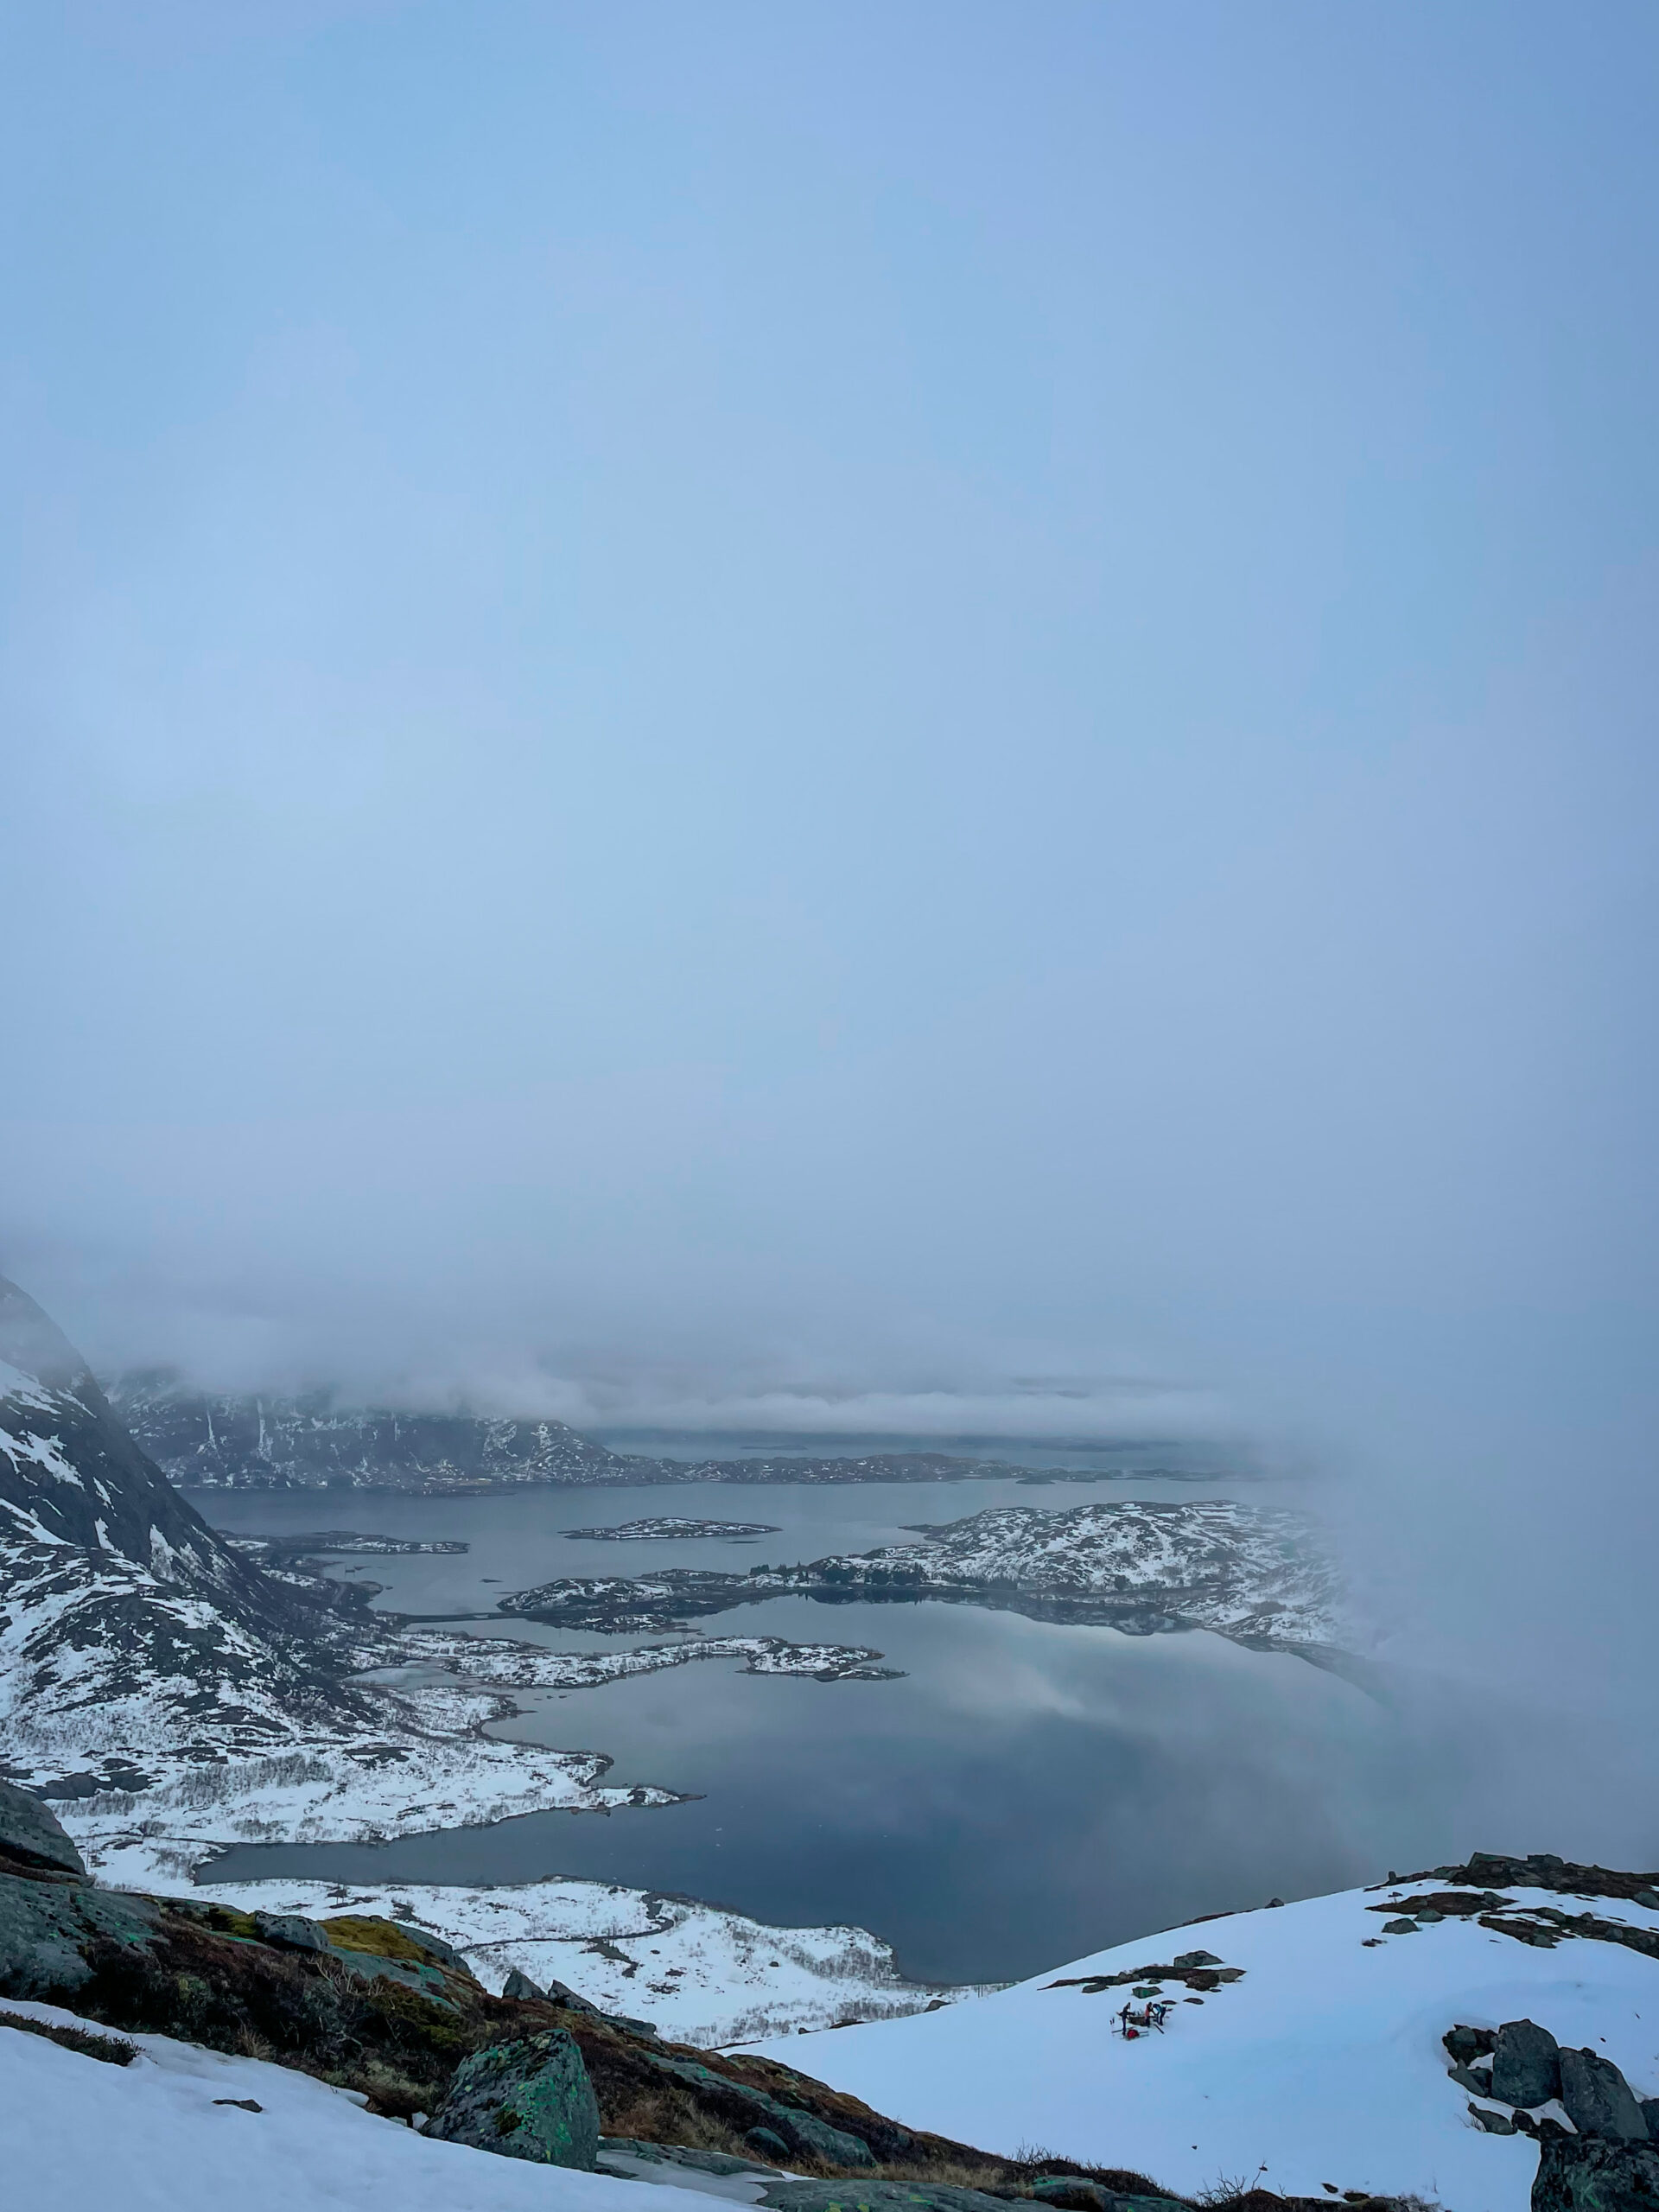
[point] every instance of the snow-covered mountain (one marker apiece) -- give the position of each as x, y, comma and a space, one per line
148, 1666
1303, 2047
204, 1441
272, 1442
127, 1625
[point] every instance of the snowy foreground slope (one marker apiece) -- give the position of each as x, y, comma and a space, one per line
1323, 2064
159, 2136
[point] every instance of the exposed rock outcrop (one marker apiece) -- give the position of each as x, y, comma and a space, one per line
1587, 2174
31, 1836
1526, 2064
528, 2099
1598, 2098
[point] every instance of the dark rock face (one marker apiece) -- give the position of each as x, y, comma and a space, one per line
520, 1986
1599, 2100
1526, 2064
1585, 2174
531, 2099
34, 1837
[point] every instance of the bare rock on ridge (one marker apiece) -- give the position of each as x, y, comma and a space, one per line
32, 1835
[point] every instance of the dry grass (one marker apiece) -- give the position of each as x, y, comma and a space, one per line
114, 2050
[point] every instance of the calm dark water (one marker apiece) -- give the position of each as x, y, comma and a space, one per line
1025, 1794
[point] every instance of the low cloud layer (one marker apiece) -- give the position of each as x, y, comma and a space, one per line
710, 725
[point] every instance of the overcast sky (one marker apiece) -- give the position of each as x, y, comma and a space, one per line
939, 712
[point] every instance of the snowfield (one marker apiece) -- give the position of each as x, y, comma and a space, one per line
80, 2135
1324, 2064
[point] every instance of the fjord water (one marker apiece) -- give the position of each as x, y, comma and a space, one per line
1025, 1792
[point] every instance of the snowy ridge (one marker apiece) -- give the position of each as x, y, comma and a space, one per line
1322, 2063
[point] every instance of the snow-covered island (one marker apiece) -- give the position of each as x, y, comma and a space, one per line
668, 1529
318, 1542
1253, 1574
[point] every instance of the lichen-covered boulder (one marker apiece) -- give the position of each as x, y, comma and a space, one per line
290, 1932
33, 1836
1580, 2173
1526, 2064
531, 2099
1599, 2100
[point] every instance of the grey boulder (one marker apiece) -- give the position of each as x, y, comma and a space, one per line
531, 2098
1526, 2064
520, 1984
33, 1836
290, 1932
1599, 2100
1579, 2173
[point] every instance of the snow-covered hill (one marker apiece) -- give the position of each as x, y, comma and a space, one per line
1321, 2067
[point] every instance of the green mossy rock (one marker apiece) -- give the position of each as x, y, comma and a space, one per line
531, 2098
